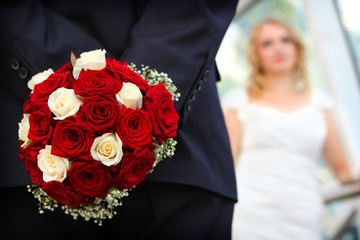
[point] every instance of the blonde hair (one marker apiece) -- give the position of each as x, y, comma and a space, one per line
256, 77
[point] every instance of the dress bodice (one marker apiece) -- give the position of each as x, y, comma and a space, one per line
301, 131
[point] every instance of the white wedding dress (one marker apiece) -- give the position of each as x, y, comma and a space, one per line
278, 192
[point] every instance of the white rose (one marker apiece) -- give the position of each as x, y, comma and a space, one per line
107, 149
64, 103
54, 168
23, 131
39, 78
93, 60
24, 127
130, 95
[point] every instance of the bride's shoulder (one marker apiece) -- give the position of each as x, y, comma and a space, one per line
234, 98
322, 98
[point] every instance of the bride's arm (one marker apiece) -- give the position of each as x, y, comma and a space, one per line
334, 153
234, 130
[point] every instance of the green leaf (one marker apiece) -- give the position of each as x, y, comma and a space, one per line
73, 58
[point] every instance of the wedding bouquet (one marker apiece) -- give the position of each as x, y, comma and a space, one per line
92, 130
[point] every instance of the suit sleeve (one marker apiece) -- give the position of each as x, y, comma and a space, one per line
181, 38
37, 39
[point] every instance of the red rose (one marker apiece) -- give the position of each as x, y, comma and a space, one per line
96, 82
160, 106
113, 63
66, 68
91, 179
134, 129
29, 156
113, 66
76, 198
57, 191
98, 115
60, 193
133, 168
41, 123
43, 90
124, 74
27, 107
70, 140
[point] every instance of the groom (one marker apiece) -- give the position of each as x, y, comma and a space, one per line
189, 196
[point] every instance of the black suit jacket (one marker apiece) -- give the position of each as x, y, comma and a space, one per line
180, 38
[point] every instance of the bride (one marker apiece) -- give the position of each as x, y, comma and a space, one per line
278, 127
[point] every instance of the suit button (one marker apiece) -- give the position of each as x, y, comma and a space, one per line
193, 95
23, 73
200, 84
206, 75
188, 106
14, 63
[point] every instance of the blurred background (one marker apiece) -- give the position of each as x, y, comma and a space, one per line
330, 30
